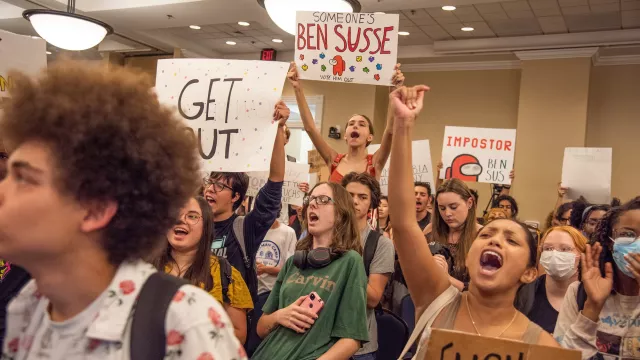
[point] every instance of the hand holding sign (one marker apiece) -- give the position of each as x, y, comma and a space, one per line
406, 103
398, 78
293, 76
281, 113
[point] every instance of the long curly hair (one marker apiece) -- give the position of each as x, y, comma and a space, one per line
346, 235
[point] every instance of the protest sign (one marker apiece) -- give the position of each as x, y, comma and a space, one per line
229, 106
21, 53
478, 154
295, 173
587, 172
454, 345
347, 47
421, 161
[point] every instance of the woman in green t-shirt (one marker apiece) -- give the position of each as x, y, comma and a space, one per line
336, 332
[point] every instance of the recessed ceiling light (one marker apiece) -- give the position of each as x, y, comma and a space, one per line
243, 23
403, 33
448, 8
231, 42
35, 37
48, 52
378, 12
467, 28
277, 40
194, 27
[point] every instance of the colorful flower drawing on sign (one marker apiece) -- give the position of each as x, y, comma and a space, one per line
314, 61
352, 68
366, 70
371, 58
322, 55
305, 67
377, 77
301, 56
358, 58
323, 68
378, 66
339, 65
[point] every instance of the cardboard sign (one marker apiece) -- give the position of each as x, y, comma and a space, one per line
229, 106
295, 173
421, 160
347, 47
478, 154
587, 172
21, 53
453, 345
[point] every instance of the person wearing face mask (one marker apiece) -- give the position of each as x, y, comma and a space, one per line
601, 316
358, 135
561, 249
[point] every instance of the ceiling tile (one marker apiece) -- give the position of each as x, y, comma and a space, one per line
547, 12
495, 16
543, 4
552, 24
427, 20
438, 13
419, 17
415, 37
597, 2
514, 27
406, 22
436, 32
576, 10
489, 8
631, 19
467, 13
631, 5
528, 14
593, 22
224, 27
447, 20
402, 16
604, 8
521, 5
566, 3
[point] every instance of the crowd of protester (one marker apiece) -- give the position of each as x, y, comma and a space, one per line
113, 247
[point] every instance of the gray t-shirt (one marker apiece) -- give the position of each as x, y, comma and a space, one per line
382, 263
278, 245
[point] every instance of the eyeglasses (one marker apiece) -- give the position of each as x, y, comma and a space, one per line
191, 218
564, 249
564, 220
625, 234
320, 200
217, 185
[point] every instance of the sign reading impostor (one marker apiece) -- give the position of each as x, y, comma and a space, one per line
421, 161
346, 47
229, 106
478, 154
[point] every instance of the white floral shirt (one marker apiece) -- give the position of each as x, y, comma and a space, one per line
197, 328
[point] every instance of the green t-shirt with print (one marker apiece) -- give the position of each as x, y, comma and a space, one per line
343, 287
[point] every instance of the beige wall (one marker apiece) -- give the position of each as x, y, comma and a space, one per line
614, 121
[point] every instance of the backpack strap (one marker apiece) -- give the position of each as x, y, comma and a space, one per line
225, 278
370, 246
238, 229
148, 333
581, 296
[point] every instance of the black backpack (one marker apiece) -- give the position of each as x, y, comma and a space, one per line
148, 333
370, 246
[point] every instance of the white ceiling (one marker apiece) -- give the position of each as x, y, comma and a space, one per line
144, 24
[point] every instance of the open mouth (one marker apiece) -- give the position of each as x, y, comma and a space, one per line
209, 199
490, 261
313, 217
180, 231
355, 135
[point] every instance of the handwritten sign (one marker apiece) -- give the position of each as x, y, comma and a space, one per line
21, 53
453, 345
347, 47
421, 160
478, 154
229, 106
587, 172
295, 173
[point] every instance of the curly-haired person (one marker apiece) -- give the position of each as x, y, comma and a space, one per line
97, 173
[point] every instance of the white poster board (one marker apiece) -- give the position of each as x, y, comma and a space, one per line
421, 161
229, 106
295, 173
347, 47
21, 53
587, 172
478, 154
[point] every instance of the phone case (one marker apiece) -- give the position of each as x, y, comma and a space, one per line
313, 302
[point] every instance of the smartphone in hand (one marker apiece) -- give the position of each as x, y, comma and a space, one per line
313, 302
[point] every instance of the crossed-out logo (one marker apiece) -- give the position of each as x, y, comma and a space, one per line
268, 253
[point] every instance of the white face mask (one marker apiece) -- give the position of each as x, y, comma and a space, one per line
559, 265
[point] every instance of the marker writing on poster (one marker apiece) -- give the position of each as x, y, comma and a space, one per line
479, 143
202, 108
496, 170
5, 83
492, 356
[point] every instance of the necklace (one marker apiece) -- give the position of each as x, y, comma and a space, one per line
466, 300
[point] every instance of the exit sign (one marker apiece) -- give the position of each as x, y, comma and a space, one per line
268, 55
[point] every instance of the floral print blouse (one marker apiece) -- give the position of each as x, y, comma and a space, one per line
197, 328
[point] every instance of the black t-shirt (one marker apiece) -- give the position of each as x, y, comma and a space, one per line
12, 279
542, 313
424, 221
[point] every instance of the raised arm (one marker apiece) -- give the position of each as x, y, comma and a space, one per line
425, 278
438, 180
280, 114
325, 150
381, 156
561, 193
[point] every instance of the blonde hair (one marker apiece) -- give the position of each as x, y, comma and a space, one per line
346, 235
493, 212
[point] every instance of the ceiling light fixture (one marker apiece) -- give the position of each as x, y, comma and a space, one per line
277, 40
283, 12
231, 42
403, 33
195, 27
379, 12
48, 52
66, 29
243, 23
448, 8
467, 28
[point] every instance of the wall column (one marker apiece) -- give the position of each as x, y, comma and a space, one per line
552, 115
